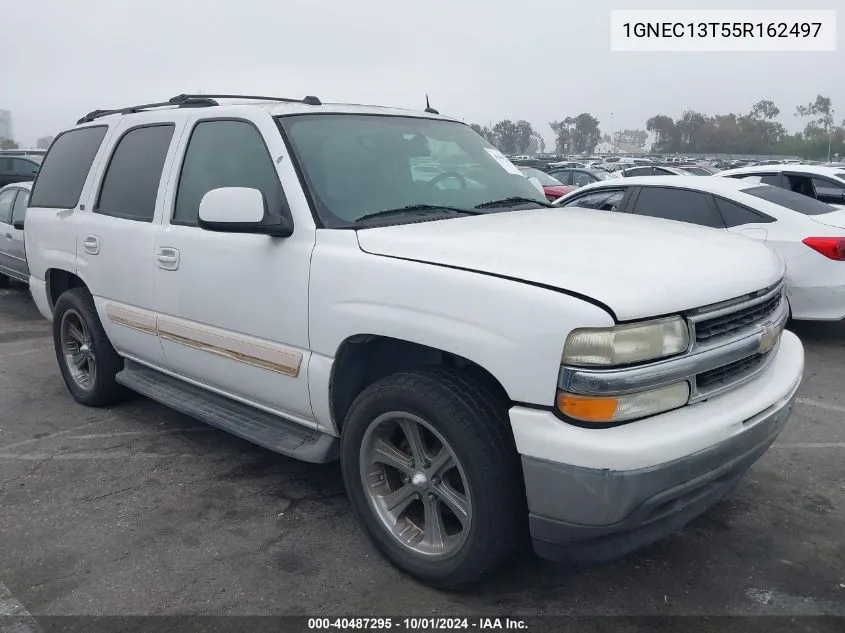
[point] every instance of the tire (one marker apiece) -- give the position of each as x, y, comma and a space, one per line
459, 414
4, 281
76, 307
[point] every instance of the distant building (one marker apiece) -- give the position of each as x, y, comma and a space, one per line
6, 131
44, 142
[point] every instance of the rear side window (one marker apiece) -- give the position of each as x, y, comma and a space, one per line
601, 200
130, 186
7, 199
19, 210
677, 204
638, 171
64, 170
224, 154
24, 167
791, 200
736, 215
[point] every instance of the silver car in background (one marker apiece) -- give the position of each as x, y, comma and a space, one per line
14, 199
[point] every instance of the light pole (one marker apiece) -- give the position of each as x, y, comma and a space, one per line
830, 134
612, 142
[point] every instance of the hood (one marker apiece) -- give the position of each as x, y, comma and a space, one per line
639, 267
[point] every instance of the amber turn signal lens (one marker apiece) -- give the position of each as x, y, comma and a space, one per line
588, 409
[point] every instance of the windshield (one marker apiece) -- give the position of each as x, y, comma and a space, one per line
543, 177
356, 165
789, 199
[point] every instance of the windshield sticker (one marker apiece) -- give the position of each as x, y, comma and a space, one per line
503, 161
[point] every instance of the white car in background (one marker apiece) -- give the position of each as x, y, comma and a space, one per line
826, 184
808, 234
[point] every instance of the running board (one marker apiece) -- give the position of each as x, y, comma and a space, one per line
265, 429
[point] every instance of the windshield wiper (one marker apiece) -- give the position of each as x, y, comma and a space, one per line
511, 201
413, 208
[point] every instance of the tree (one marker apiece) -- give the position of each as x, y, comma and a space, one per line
524, 132
764, 110
563, 131
538, 144
8, 143
586, 134
822, 111
507, 136
637, 138
687, 128
485, 132
663, 128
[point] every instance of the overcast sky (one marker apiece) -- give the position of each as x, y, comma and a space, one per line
480, 60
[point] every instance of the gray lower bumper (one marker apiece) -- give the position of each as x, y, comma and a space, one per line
588, 515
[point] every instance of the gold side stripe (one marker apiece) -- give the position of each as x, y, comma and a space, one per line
291, 369
281, 360
131, 319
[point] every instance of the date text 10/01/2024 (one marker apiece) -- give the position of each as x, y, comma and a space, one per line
721, 29
416, 624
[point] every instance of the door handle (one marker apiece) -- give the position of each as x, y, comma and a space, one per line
167, 258
91, 244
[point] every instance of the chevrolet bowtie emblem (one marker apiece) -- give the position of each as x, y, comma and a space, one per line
768, 338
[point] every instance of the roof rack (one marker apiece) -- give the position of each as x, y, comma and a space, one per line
191, 101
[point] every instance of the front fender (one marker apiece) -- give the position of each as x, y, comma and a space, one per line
514, 330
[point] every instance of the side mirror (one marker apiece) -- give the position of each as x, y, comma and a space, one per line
241, 210
17, 225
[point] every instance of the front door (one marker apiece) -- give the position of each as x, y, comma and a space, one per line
233, 307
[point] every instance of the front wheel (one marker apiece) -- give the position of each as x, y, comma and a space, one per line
87, 360
432, 472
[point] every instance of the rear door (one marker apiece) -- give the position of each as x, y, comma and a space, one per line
117, 235
681, 205
742, 220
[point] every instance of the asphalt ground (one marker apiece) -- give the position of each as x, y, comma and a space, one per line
137, 510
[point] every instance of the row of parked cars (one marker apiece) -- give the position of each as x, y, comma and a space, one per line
385, 288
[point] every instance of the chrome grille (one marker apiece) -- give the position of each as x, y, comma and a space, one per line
726, 323
726, 375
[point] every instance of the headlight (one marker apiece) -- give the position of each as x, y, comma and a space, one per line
626, 407
626, 344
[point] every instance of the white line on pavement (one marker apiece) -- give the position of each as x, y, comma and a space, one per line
821, 405
14, 618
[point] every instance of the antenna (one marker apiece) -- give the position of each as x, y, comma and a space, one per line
428, 107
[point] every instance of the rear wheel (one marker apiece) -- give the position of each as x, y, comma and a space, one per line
432, 472
86, 358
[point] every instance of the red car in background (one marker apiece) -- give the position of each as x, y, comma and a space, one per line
552, 187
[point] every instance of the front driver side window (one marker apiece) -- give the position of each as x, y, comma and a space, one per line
224, 153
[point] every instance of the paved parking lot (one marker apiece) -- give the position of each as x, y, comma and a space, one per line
139, 510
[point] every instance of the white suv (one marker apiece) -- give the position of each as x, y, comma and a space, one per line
482, 365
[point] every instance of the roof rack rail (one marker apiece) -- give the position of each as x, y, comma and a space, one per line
309, 100
192, 101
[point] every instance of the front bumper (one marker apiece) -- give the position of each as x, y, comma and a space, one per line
596, 494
